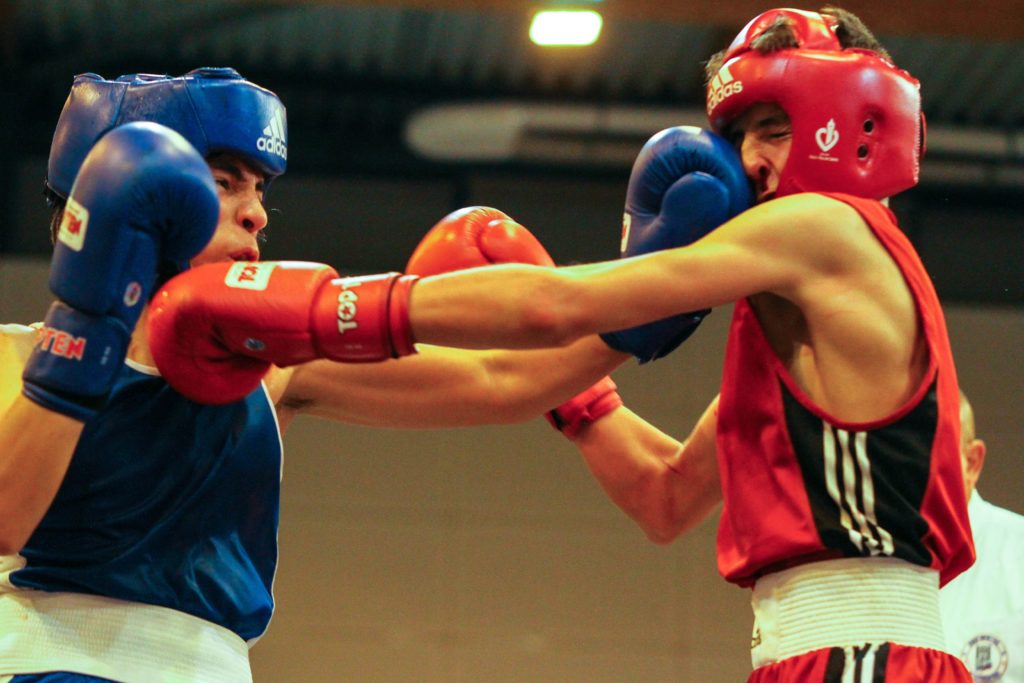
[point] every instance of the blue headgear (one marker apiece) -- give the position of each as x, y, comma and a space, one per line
215, 109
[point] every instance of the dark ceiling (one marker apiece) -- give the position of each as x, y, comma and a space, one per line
357, 70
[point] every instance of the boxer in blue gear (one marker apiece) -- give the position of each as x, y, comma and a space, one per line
169, 551
138, 528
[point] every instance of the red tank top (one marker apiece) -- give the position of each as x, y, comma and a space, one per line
801, 485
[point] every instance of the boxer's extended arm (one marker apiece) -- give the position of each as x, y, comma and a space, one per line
445, 387
442, 387
665, 486
216, 330
783, 246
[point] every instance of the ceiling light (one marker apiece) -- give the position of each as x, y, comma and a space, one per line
565, 27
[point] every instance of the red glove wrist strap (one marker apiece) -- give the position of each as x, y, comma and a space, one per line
399, 326
585, 408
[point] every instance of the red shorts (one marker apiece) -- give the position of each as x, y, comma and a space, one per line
885, 663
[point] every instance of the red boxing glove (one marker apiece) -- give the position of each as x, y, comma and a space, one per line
584, 408
475, 236
215, 330
480, 236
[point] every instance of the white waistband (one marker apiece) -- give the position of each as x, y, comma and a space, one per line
840, 603
123, 641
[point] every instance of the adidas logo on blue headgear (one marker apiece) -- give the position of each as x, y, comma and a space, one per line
215, 109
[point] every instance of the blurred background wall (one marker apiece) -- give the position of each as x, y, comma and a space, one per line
489, 554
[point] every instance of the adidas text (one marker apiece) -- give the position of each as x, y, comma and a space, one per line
273, 146
725, 91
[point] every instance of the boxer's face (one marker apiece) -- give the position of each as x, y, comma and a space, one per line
763, 135
242, 214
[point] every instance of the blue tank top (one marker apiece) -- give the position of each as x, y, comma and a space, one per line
170, 503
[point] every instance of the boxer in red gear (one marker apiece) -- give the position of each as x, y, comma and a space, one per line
834, 440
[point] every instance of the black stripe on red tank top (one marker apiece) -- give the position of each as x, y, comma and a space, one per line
881, 661
865, 488
855, 660
835, 666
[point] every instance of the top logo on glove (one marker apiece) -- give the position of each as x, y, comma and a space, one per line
722, 86
348, 309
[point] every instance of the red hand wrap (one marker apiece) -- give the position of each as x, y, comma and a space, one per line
586, 407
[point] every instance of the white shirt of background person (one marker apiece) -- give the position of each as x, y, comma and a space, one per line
983, 608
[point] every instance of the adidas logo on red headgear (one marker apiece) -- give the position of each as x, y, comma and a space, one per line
721, 86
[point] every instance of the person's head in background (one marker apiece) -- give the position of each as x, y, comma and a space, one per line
972, 449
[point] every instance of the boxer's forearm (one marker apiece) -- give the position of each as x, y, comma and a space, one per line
512, 306
533, 307
35, 449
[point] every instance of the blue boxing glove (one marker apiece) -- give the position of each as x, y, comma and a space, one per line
685, 183
144, 197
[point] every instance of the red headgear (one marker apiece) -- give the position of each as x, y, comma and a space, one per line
856, 118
